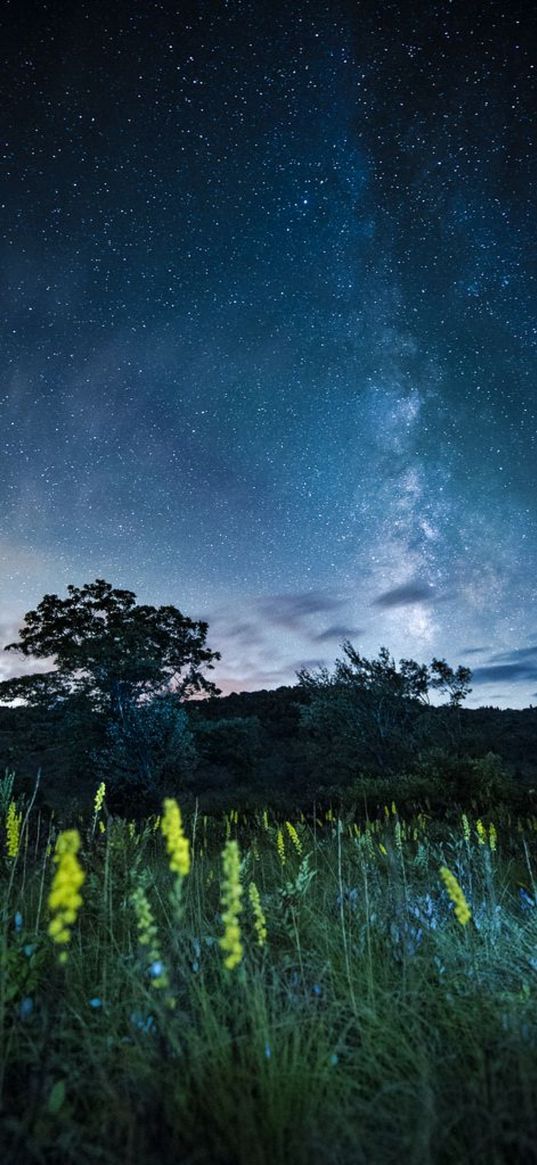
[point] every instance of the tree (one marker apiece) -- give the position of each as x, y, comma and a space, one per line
110, 650
372, 713
148, 753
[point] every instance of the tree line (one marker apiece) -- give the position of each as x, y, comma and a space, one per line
120, 704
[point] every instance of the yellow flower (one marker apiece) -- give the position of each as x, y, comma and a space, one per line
462, 909
64, 900
465, 828
493, 837
382, 849
231, 903
481, 832
176, 843
13, 830
260, 921
99, 798
294, 836
280, 846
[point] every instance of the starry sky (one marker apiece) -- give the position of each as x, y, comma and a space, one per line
268, 311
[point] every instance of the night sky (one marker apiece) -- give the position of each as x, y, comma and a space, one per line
268, 303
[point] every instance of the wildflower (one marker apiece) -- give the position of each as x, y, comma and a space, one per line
265, 819
526, 900
383, 849
294, 836
148, 937
398, 836
144, 1025
26, 1007
462, 909
481, 832
176, 842
394, 808
231, 902
465, 828
280, 846
493, 836
95, 1003
99, 798
64, 899
268, 1051
13, 830
102, 827
260, 922
132, 829
18, 921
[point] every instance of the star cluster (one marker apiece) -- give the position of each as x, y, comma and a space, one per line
269, 325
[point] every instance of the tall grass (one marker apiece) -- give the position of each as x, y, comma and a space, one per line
370, 1026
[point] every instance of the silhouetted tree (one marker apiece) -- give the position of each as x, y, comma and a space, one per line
109, 649
372, 713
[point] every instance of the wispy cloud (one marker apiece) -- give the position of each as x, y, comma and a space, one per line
290, 610
514, 672
404, 595
339, 631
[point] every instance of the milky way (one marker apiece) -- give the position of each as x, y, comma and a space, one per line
269, 326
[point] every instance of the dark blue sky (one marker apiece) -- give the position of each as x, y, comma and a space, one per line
269, 326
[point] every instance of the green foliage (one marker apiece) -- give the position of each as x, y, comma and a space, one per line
370, 1027
371, 713
149, 753
109, 649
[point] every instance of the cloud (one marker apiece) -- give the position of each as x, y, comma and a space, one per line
515, 672
413, 592
515, 655
289, 610
337, 631
473, 650
244, 633
309, 664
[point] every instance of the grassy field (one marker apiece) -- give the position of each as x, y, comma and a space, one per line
356, 1006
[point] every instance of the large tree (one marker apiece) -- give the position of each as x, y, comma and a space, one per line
370, 712
109, 650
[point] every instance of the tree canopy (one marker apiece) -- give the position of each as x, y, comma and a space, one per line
110, 649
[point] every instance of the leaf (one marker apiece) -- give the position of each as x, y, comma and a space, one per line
56, 1097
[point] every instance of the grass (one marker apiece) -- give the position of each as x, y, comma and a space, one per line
371, 1026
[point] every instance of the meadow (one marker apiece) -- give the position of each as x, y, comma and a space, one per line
344, 987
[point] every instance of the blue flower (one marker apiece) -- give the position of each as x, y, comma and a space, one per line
18, 921
144, 1025
26, 1006
95, 1002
